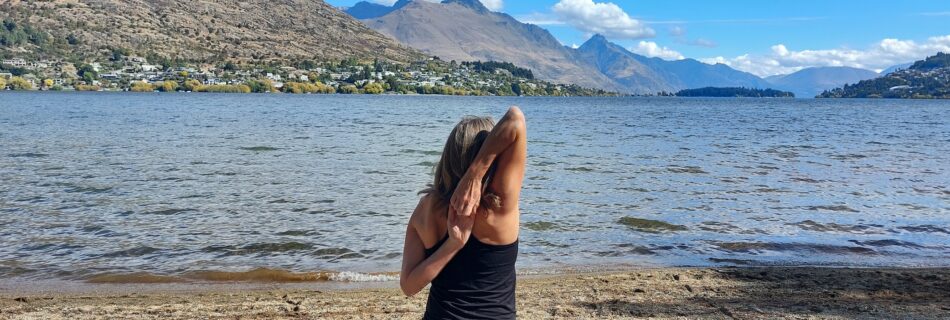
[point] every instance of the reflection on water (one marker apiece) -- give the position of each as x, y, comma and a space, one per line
107, 187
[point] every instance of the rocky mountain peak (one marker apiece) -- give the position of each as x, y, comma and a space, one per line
474, 4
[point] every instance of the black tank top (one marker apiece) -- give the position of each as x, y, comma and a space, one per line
478, 283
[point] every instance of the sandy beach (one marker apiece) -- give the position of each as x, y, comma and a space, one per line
667, 293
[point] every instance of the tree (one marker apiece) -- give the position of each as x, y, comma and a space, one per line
349, 89
48, 83
139, 86
261, 86
169, 86
373, 88
3, 83
88, 73
191, 85
18, 83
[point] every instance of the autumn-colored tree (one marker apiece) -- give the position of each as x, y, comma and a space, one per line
3, 83
18, 83
139, 86
373, 88
191, 85
48, 83
349, 89
169, 86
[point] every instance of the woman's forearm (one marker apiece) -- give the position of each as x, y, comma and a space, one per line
423, 273
505, 133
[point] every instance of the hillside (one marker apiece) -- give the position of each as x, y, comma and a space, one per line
642, 74
925, 79
464, 30
212, 31
810, 82
369, 10
619, 64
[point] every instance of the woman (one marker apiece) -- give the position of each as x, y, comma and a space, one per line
463, 235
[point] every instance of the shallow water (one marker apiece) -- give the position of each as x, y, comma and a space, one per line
180, 184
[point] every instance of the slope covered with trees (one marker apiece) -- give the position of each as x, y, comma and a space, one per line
734, 92
925, 79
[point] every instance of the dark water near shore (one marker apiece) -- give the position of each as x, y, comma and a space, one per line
176, 184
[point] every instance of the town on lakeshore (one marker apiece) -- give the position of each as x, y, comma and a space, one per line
127, 72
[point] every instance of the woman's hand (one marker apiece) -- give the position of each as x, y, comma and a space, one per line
467, 195
459, 229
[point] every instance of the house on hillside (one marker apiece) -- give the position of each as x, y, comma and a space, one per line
15, 62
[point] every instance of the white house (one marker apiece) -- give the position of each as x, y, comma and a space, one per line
16, 62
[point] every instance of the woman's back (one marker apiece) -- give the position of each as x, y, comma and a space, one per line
478, 283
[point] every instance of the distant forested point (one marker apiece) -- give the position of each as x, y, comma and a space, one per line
492, 66
734, 92
925, 79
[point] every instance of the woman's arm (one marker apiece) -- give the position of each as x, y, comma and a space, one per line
417, 270
508, 141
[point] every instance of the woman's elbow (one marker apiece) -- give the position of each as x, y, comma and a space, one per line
515, 114
516, 118
406, 289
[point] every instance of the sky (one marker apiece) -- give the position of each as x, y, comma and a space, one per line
763, 37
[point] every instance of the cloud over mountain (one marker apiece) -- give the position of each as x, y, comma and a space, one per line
651, 49
883, 54
604, 18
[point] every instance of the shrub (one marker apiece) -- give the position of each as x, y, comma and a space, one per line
349, 89
168, 86
224, 88
18, 83
139, 86
83, 87
373, 88
191, 85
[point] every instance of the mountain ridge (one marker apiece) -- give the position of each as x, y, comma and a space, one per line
216, 30
453, 30
465, 30
810, 82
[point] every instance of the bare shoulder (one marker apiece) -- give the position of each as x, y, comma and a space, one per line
422, 215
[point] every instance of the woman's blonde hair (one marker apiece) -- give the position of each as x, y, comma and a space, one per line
460, 151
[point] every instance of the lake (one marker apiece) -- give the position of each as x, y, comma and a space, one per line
168, 184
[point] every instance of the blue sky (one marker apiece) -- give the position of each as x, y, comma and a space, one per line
762, 37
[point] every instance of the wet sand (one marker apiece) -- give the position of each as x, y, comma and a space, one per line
668, 293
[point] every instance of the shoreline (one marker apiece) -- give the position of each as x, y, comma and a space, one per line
702, 292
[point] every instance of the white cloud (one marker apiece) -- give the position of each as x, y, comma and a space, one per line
493, 5
603, 18
575, 46
541, 19
651, 49
883, 54
677, 31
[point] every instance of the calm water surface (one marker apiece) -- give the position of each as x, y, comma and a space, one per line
94, 183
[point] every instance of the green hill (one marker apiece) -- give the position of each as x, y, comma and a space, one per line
925, 79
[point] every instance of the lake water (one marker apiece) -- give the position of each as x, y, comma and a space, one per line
171, 184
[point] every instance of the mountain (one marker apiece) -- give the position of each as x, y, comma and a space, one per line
211, 30
810, 82
892, 69
925, 79
369, 10
464, 30
623, 66
642, 74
